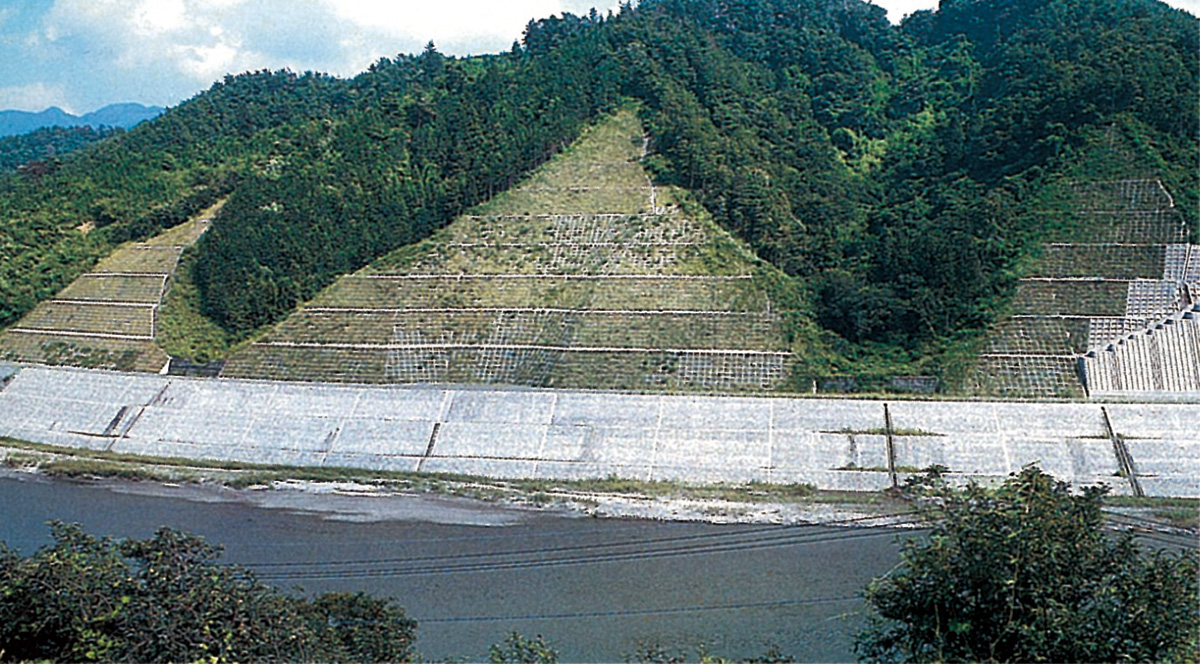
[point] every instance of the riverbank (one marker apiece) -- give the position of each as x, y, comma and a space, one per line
596, 588
357, 494
364, 495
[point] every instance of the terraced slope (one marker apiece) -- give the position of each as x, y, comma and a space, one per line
1135, 269
587, 275
107, 318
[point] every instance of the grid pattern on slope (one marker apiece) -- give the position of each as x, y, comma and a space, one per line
1113, 261
1029, 376
117, 287
90, 352
1175, 263
553, 201
558, 258
142, 258
91, 318
566, 368
556, 245
1039, 336
1079, 298
1149, 299
1138, 227
692, 330
1137, 195
569, 228
566, 292
1103, 331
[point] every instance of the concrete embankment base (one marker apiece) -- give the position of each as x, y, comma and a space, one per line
834, 444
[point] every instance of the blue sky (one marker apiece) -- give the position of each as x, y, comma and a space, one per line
80, 55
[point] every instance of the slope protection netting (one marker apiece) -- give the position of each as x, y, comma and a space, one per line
107, 318
92, 352
1134, 195
585, 275
1077, 296
1030, 376
558, 244
1071, 298
733, 294
701, 333
1040, 336
1139, 227
1114, 261
627, 329
618, 369
96, 318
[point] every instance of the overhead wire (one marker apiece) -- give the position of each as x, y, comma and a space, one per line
336, 570
771, 528
622, 613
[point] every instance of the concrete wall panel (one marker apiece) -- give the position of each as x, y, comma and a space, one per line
502, 432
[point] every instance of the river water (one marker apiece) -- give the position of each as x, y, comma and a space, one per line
470, 573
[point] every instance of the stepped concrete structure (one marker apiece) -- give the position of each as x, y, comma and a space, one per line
1135, 271
587, 275
108, 317
440, 357
1158, 362
856, 445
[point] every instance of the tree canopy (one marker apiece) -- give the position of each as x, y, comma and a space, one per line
167, 599
1026, 573
892, 172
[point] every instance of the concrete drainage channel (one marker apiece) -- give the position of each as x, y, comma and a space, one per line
864, 445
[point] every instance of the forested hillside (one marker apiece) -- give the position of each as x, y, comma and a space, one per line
896, 173
38, 150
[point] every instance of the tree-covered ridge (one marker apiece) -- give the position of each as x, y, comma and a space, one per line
584, 275
56, 221
427, 137
893, 172
37, 151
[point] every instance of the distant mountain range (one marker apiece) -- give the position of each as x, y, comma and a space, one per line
125, 116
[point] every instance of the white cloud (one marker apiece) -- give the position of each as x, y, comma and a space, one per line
162, 51
185, 36
457, 26
34, 97
156, 16
206, 63
898, 9
1192, 6
449, 19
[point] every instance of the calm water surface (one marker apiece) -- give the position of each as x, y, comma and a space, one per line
594, 588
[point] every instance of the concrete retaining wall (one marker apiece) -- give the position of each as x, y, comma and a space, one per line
835, 444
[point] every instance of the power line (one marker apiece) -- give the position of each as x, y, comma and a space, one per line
760, 543
644, 612
578, 547
749, 531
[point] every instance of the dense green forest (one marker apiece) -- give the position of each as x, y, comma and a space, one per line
893, 172
38, 150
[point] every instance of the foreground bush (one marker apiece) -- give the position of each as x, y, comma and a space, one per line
167, 599
1025, 573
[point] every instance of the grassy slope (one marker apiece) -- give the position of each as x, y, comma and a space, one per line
597, 175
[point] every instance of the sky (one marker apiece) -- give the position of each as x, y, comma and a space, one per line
80, 55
